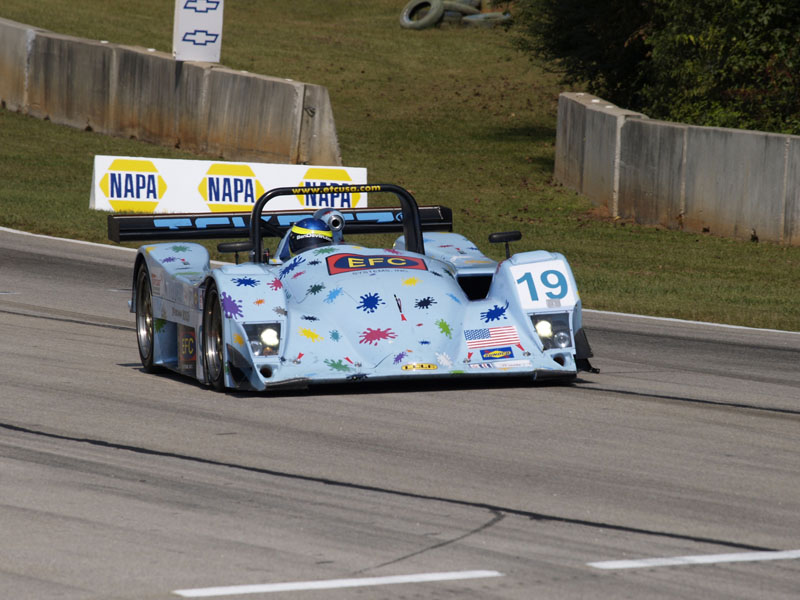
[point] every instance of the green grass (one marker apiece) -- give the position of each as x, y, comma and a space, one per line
455, 115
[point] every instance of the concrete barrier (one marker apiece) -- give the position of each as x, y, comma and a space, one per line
735, 183
651, 173
15, 40
587, 145
139, 93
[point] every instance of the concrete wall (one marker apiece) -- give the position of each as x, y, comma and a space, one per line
729, 182
133, 92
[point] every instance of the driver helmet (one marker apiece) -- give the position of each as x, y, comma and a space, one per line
309, 233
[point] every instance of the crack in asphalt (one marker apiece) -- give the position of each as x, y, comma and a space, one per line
498, 516
736, 405
34, 315
495, 509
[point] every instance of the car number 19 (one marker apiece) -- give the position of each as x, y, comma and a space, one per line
544, 285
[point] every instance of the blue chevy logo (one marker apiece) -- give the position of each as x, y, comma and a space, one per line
200, 37
201, 6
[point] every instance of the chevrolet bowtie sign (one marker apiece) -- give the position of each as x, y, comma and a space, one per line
197, 31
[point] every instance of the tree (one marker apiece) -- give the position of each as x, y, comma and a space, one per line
732, 63
599, 45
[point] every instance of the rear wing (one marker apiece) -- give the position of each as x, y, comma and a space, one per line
203, 226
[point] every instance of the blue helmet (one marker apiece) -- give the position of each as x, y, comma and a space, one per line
309, 233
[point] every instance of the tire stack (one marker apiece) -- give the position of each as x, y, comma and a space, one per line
421, 14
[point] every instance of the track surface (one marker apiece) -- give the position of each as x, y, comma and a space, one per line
116, 484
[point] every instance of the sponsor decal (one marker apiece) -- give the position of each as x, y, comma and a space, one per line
488, 337
503, 365
133, 185
319, 188
497, 353
419, 367
155, 283
347, 263
513, 364
186, 346
230, 187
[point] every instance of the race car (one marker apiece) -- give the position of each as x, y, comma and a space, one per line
321, 310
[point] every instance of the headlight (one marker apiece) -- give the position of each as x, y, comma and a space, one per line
264, 339
553, 330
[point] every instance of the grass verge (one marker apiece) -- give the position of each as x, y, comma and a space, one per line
455, 115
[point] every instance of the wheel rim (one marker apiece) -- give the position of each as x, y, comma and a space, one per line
213, 345
144, 315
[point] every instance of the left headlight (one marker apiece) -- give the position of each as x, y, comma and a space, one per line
264, 338
553, 330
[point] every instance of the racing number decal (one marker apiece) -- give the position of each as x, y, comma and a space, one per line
544, 285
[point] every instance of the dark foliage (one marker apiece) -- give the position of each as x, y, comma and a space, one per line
732, 63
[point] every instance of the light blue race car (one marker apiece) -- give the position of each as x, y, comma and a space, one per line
320, 310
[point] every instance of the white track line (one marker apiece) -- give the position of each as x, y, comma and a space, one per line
702, 559
80, 242
332, 584
671, 320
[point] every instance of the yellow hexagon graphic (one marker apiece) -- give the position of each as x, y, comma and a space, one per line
133, 185
230, 188
321, 176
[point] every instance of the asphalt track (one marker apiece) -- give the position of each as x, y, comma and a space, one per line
115, 484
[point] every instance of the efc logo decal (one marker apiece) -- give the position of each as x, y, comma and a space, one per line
319, 177
133, 185
187, 347
229, 187
347, 263
497, 353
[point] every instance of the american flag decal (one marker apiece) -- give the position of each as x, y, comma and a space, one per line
491, 336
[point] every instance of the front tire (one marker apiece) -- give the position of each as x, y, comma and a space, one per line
213, 355
145, 324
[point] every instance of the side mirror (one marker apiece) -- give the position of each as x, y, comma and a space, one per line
504, 237
243, 246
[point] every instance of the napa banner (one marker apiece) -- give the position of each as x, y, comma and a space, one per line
162, 185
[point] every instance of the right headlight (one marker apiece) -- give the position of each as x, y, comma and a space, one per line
264, 338
553, 330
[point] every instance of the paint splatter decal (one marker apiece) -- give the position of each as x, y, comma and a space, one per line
495, 313
276, 284
445, 328
424, 303
311, 334
231, 307
337, 365
246, 281
373, 336
315, 289
296, 262
333, 295
370, 303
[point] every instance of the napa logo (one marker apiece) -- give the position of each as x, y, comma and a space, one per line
227, 187
320, 177
133, 185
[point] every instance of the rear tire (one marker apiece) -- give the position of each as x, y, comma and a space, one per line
213, 352
145, 324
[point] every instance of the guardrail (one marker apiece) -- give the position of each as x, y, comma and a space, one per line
729, 182
136, 92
